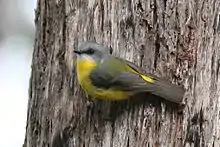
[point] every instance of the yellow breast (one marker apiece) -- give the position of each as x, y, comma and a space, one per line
83, 70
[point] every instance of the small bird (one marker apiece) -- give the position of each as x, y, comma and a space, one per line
104, 76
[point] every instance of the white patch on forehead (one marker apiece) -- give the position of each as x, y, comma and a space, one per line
102, 61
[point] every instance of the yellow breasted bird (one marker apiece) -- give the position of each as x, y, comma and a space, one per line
106, 77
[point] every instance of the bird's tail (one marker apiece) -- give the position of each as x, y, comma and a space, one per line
153, 84
163, 89
168, 91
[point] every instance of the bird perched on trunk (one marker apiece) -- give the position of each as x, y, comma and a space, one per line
106, 77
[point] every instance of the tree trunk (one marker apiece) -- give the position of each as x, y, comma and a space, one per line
177, 40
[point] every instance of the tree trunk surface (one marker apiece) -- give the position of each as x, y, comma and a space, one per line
176, 40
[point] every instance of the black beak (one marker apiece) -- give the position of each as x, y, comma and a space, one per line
77, 52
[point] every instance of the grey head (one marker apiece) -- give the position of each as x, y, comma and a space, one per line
91, 51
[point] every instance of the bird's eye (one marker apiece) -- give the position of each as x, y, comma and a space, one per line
90, 51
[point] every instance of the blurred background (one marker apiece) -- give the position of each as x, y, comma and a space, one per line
16, 47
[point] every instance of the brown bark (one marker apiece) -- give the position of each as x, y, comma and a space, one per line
178, 40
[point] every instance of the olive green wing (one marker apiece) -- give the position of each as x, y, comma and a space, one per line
116, 73
113, 73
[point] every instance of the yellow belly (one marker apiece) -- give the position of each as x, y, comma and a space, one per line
83, 70
111, 94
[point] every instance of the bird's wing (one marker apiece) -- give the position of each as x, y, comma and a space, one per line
119, 74
140, 70
115, 74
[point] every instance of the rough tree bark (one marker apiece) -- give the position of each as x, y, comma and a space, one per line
178, 40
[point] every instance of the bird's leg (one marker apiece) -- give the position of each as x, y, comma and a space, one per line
90, 101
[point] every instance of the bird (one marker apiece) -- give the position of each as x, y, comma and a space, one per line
107, 77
